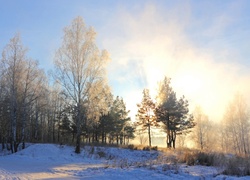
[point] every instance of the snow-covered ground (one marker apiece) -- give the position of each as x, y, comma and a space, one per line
49, 161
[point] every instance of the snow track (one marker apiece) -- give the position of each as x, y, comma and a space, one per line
49, 161
10, 176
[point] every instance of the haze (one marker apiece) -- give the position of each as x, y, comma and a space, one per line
202, 45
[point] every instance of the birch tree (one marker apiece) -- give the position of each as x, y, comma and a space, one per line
78, 65
25, 81
13, 58
33, 80
236, 127
201, 130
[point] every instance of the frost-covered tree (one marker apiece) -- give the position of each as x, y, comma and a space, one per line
25, 82
79, 65
202, 129
236, 127
13, 58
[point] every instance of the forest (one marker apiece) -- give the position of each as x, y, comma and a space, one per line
74, 104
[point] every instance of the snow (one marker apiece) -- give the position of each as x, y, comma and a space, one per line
50, 161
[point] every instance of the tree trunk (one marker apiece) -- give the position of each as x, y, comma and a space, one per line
3, 143
102, 137
78, 143
174, 138
149, 136
168, 133
168, 140
13, 141
73, 137
78, 128
23, 128
96, 136
36, 126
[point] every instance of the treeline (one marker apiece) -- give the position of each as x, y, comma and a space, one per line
78, 106
230, 135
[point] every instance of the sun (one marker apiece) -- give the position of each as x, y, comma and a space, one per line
189, 83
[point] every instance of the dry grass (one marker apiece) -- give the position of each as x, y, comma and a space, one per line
238, 166
230, 165
170, 160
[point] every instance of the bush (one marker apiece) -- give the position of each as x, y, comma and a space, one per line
202, 158
237, 166
146, 148
189, 159
155, 148
101, 154
132, 147
205, 159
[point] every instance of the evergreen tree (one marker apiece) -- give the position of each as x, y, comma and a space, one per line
120, 119
65, 127
145, 115
172, 113
129, 131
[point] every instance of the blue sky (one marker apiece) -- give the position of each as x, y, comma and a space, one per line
202, 45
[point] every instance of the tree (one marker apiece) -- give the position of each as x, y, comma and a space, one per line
13, 58
79, 64
98, 103
172, 113
25, 83
202, 128
236, 127
145, 115
120, 119
65, 127
33, 80
129, 131
142, 138
4, 115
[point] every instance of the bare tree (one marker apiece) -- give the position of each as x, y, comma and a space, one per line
142, 138
236, 126
33, 80
24, 85
13, 58
201, 130
79, 64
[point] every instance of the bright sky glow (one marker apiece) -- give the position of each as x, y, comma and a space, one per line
202, 45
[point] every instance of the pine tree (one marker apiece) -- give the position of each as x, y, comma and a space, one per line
145, 114
172, 113
120, 118
65, 127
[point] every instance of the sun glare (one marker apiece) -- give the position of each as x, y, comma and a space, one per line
190, 83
